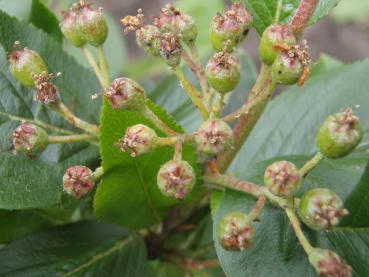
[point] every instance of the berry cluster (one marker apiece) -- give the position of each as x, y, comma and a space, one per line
169, 38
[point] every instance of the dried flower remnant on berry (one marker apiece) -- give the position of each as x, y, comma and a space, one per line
147, 36
233, 26
214, 136
321, 209
223, 71
46, 92
170, 49
282, 178
176, 178
139, 139
235, 232
29, 138
339, 134
175, 21
327, 263
124, 93
78, 181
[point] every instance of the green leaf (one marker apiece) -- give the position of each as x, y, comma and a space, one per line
44, 19
128, 194
264, 11
19, 223
20, 185
18, 8
80, 249
291, 121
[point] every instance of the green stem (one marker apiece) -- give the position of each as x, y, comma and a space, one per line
278, 11
104, 65
298, 231
249, 114
76, 121
38, 123
98, 173
309, 165
194, 94
200, 70
91, 60
158, 122
168, 141
71, 138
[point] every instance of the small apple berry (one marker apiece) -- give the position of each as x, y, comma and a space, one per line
176, 178
287, 69
70, 29
328, 263
339, 134
29, 138
138, 140
282, 178
170, 49
223, 72
78, 181
24, 63
274, 34
124, 93
321, 209
235, 232
213, 137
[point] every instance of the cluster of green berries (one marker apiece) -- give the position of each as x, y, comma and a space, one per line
84, 25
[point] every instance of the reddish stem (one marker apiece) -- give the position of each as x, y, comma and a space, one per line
302, 16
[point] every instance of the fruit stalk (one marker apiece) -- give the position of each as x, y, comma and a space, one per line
104, 65
255, 212
302, 16
309, 165
158, 122
201, 72
91, 60
72, 138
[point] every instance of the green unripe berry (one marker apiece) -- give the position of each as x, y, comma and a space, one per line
91, 23
138, 140
124, 93
282, 178
223, 72
148, 38
172, 20
321, 209
235, 232
176, 178
24, 63
328, 263
29, 139
287, 70
170, 49
274, 34
339, 134
228, 30
213, 137
70, 29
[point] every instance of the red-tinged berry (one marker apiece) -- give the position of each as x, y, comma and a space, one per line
91, 23
282, 178
24, 63
124, 93
170, 49
29, 139
78, 181
70, 29
147, 36
321, 209
176, 178
230, 29
213, 137
223, 72
46, 92
287, 70
235, 232
138, 140
328, 263
274, 34
174, 21
339, 134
